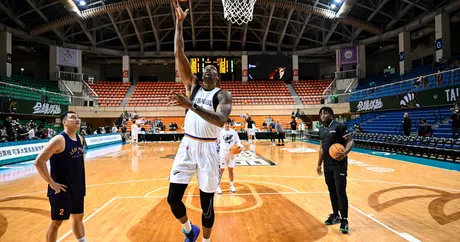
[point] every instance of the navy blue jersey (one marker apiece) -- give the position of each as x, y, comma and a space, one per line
68, 168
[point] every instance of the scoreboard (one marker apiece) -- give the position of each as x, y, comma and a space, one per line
222, 64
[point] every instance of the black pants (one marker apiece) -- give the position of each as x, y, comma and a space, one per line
455, 130
407, 132
336, 180
272, 137
281, 137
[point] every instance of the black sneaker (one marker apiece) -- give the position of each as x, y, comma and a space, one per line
344, 226
333, 219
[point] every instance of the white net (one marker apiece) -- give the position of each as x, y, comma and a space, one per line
238, 11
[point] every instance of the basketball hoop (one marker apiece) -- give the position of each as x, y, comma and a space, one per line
238, 11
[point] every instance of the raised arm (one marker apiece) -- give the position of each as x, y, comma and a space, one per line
185, 72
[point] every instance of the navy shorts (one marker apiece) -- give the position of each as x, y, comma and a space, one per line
63, 204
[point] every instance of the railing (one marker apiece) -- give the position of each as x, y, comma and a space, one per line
347, 74
417, 84
91, 93
70, 76
12, 91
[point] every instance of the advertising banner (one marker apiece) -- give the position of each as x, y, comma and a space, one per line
433, 97
67, 57
93, 141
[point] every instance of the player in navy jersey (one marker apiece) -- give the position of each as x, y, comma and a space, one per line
66, 182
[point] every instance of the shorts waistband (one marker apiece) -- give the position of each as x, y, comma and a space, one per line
199, 139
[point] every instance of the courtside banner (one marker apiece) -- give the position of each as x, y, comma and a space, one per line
20, 151
93, 141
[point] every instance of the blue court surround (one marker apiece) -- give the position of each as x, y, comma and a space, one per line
405, 158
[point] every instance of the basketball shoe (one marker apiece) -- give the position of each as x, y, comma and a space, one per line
344, 226
192, 236
333, 219
219, 191
232, 188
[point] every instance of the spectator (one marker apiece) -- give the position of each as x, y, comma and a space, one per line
280, 133
264, 125
272, 131
358, 128
407, 125
293, 124
301, 130
135, 116
424, 129
114, 128
455, 123
124, 135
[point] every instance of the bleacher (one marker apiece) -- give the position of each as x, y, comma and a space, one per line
311, 91
448, 78
154, 93
391, 122
32, 95
258, 92
444, 149
110, 93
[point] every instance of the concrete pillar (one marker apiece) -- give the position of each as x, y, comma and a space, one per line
405, 55
54, 68
362, 61
337, 58
80, 62
244, 68
6, 47
295, 67
126, 68
442, 26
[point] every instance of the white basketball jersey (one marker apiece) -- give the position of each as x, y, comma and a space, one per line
196, 125
228, 139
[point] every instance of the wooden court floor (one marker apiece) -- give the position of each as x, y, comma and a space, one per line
390, 200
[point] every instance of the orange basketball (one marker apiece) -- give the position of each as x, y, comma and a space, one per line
334, 151
235, 149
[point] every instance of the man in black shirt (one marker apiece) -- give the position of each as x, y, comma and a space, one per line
407, 125
335, 171
455, 123
293, 129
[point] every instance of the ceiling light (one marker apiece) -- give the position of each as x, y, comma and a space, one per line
333, 6
338, 1
82, 3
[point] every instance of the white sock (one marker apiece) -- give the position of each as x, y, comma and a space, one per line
231, 183
83, 239
187, 226
206, 240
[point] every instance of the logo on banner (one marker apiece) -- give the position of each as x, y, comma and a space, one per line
47, 108
409, 101
245, 73
370, 105
67, 57
125, 74
438, 44
348, 55
177, 74
296, 72
8, 58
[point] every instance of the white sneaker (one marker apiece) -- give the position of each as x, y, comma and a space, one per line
232, 188
219, 191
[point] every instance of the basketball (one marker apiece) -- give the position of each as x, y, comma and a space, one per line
235, 149
334, 151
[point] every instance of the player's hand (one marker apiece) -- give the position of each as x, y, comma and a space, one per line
319, 170
180, 14
179, 99
58, 187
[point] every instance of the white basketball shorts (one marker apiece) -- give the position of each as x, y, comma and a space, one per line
227, 159
200, 157
251, 132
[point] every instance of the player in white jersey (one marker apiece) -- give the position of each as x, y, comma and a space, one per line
227, 138
207, 109
134, 134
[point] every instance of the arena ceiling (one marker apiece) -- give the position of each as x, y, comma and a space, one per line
145, 28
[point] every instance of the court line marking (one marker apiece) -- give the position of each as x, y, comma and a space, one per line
278, 176
406, 236
263, 182
86, 219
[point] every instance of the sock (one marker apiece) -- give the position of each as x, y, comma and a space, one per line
187, 226
206, 240
231, 183
83, 239
344, 219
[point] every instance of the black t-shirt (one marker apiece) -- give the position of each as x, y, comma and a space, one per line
293, 125
330, 135
455, 120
